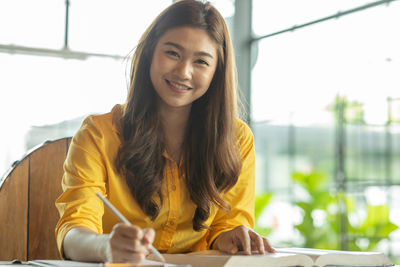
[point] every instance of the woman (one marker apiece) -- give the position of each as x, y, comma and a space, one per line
174, 159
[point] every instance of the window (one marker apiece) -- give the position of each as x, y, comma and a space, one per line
303, 82
45, 93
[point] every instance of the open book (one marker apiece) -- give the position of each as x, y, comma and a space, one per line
68, 263
283, 258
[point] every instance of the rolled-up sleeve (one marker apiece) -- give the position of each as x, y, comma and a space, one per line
84, 175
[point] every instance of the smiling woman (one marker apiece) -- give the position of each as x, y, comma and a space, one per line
175, 159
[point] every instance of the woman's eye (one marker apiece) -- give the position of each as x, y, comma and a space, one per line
172, 53
202, 62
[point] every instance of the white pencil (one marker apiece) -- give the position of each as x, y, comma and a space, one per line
125, 220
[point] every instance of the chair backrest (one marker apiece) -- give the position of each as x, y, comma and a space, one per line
28, 215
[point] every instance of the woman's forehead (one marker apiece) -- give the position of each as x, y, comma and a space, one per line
190, 38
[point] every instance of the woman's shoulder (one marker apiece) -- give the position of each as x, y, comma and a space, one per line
243, 132
103, 123
242, 128
104, 119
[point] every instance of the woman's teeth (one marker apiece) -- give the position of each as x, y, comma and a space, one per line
179, 86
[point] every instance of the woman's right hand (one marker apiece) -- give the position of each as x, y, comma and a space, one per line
125, 243
128, 243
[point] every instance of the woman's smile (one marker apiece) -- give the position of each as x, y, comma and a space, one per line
180, 88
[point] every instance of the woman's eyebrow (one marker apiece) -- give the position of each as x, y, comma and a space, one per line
179, 47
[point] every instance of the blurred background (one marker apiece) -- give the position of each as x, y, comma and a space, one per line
320, 85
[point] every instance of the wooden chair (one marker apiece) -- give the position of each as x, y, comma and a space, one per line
28, 215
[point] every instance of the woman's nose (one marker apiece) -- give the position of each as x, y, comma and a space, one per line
183, 70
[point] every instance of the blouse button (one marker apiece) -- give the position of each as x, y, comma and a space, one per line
171, 223
173, 187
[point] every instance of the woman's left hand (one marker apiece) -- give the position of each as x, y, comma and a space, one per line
243, 239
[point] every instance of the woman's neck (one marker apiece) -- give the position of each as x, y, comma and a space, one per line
174, 122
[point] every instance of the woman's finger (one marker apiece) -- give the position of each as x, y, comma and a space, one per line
225, 242
231, 248
148, 235
128, 231
258, 241
242, 233
268, 247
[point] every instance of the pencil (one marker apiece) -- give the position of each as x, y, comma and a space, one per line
125, 220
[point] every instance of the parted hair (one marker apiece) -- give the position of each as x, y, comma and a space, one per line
211, 159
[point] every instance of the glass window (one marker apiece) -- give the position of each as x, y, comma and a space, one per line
298, 81
45, 97
38, 23
272, 16
111, 27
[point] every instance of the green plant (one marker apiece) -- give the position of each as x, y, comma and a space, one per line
353, 111
262, 201
324, 222
319, 232
376, 225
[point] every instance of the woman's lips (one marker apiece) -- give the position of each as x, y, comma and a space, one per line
178, 86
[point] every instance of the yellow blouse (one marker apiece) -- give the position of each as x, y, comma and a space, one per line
89, 168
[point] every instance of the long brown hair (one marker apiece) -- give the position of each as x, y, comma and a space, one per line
211, 157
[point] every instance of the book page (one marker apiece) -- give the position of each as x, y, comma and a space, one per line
218, 259
197, 260
270, 260
323, 257
68, 263
354, 259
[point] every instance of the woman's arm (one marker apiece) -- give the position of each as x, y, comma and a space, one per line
83, 244
231, 231
125, 243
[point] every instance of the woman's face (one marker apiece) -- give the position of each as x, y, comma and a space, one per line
183, 65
